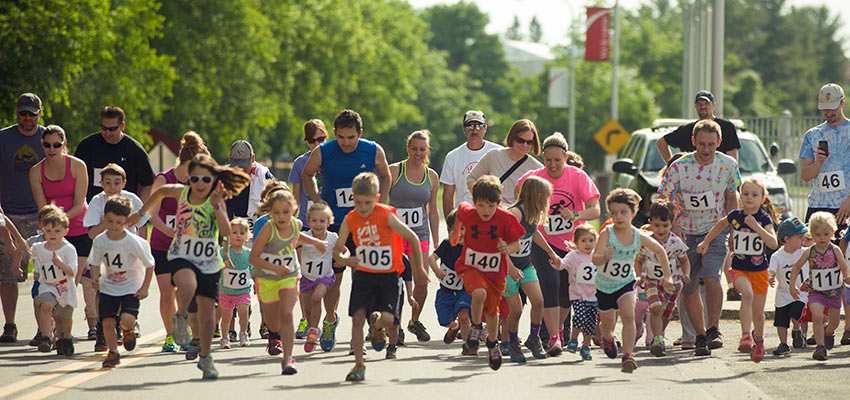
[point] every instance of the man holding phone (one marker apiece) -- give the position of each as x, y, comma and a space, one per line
828, 173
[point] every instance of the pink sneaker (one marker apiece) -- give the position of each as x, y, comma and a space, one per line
312, 339
555, 347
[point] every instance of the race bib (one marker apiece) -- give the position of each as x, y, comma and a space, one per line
286, 260
826, 279
197, 249
831, 181
97, 172
344, 197
169, 220
524, 248
379, 258
653, 270
747, 243
412, 217
236, 278
699, 201
51, 273
451, 280
783, 277
618, 270
484, 262
558, 225
586, 274
315, 269
114, 261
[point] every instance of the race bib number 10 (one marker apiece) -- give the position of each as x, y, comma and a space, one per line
412, 217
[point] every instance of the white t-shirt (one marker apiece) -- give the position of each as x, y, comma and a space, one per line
51, 278
122, 263
458, 163
315, 265
780, 264
94, 214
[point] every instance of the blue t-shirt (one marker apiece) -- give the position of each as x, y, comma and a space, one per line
295, 177
448, 257
830, 187
258, 224
339, 169
749, 250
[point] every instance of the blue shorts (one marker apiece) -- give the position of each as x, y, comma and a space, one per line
449, 303
34, 292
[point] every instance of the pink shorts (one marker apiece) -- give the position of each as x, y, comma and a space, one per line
229, 301
425, 245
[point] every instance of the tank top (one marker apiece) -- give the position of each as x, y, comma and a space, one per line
522, 258
411, 201
339, 169
619, 271
62, 193
378, 245
196, 234
280, 251
824, 273
167, 210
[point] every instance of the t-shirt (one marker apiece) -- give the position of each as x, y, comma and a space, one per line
122, 263
481, 239
830, 188
747, 246
315, 265
448, 257
379, 247
51, 278
246, 202
496, 162
572, 190
582, 275
94, 214
681, 137
459, 163
237, 280
128, 153
780, 264
295, 177
675, 249
698, 190
18, 154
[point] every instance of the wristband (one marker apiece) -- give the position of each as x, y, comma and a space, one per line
575, 215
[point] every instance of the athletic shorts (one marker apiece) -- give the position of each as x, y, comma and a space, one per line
424, 245
27, 224
109, 306
268, 290
708, 265
161, 264
82, 243
758, 280
657, 296
229, 301
608, 301
828, 302
472, 279
373, 292
34, 291
449, 303
529, 274
207, 284
308, 285
66, 311
785, 314
585, 316
349, 244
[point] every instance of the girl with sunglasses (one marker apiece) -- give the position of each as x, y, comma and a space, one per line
194, 252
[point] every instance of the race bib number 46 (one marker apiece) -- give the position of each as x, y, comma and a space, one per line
747, 243
617, 270
379, 258
831, 181
699, 201
236, 278
412, 217
484, 262
558, 225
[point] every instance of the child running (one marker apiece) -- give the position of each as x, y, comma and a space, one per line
662, 301
615, 280
582, 289
452, 302
491, 234
125, 262
826, 267
752, 230
317, 276
194, 251
790, 233
235, 282
276, 266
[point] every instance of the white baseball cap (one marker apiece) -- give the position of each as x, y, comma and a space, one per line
830, 97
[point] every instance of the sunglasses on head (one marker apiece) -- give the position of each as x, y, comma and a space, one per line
195, 178
26, 114
110, 128
524, 141
55, 145
320, 139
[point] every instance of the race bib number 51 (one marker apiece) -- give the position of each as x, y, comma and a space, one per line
699, 201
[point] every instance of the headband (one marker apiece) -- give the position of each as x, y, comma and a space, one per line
558, 145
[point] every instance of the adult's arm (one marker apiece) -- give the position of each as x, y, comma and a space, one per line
448, 198
733, 153
308, 176
155, 220
35, 185
144, 173
481, 168
433, 211
663, 149
81, 186
383, 170
811, 167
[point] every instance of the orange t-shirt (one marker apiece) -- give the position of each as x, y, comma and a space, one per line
378, 246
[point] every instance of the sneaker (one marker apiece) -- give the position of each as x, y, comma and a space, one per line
225, 342
328, 339
629, 365
758, 351
585, 354
351, 349
356, 374
137, 329
119, 336
391, 352
194, 349
820, 353
10, 334
608, 347
92, 334
715, 338
59, 346
217, 333
701, 346
168, 345
466, 351
68, 348
555, 346
206, 365
733, 295
312, 339
494, 357
243, 339
677, 342
100, 344
400, 341
572, 346
845, 338
45, 345
473, 342
533, 344
111, 361
657, 348
451, 335
798, 341
782, 350
301, 332
264, 331
181, 329
232, 336
129, 340
746, 344
185, 347
288, 366
829, 341
811, 341
416, 328
36, 341
515, 352
505, 349
379, 336
274, 347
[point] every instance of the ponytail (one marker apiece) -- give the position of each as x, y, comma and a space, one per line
233, 179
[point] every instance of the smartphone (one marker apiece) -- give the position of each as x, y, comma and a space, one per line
824, 145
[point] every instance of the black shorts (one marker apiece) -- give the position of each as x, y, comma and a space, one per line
161, 264
608, 301
374, 292
207, 283
81, 243
109, 306
784, 315
348, 244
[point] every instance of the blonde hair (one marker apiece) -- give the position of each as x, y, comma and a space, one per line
365, 183
51, 214
274, 191
321, 207
242, 222
822, 219
556, 140
766, 204
534, 199
425, 135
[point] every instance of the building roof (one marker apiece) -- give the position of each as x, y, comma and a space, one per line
171, 142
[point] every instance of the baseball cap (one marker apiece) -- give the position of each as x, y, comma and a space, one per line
704, 94
241, 154
29, 102
474, 116
830, 97
792, 226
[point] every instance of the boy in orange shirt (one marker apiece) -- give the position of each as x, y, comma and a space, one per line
490, 234
377, 261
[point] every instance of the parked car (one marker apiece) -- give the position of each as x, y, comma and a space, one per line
639, 163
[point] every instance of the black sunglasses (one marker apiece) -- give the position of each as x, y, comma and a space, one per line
474, 126
55, 145
195, 178
524, 141
320, 139
26, 114
110, 128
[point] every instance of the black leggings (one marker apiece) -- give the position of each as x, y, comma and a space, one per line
554, 284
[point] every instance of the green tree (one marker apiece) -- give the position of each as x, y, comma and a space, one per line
535, 30
513, 33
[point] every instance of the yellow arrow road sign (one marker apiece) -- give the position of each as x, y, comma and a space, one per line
611, 136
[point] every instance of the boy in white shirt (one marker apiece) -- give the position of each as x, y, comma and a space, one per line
791, 233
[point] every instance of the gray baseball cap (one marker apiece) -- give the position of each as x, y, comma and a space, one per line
241, 154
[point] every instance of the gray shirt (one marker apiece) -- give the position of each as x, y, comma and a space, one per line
18, 153
496, 162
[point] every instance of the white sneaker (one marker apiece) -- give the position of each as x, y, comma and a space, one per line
243, 338
225, 342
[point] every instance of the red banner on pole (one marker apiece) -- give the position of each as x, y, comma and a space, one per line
597, 44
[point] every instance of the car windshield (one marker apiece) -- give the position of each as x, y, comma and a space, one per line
751, 158
653, 162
